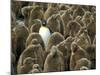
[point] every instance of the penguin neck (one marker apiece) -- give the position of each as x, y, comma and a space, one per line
44, 25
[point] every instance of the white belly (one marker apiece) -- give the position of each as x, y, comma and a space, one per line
45, 34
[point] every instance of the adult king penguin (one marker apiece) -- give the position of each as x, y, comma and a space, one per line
44, 32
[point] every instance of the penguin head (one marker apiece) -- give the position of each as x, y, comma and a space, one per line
44, 22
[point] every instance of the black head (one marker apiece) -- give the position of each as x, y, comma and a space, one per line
44, 22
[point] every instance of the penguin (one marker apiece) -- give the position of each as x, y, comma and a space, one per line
44, 32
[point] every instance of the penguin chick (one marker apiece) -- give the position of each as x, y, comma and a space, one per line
79, 20
54, 39
83, 62
27, 65
54, 61
35, 28
35, 36
36, 69
87, 18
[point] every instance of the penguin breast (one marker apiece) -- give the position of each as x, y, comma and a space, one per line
45, 34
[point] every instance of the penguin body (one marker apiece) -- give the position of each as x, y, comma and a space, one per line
45, 34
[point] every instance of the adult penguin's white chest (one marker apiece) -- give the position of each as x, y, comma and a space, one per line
45, 34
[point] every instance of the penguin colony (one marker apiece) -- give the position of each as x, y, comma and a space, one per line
50, 37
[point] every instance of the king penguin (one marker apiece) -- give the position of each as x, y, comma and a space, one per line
44, 32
